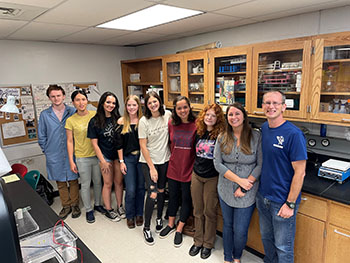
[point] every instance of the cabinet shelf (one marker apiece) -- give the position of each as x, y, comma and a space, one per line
280, 70
336, 60
145, 83
196, 74
174, 92
173, 75
325, 93
196, 92
285, 92
231, 73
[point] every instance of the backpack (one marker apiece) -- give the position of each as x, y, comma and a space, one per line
45, 190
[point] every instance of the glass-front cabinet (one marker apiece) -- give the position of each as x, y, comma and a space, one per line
330, 98
186, 74
232, 75
173, 83
282, 67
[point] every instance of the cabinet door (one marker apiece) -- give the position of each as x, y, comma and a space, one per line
330, 97
338, 243
309, 239
282, 66
231, 68
173, 80
195, 78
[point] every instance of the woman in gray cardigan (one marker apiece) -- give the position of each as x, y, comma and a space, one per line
238, 159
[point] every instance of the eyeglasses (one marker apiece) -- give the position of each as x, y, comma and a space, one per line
268, 103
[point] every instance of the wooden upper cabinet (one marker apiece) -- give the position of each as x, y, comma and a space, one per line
282, 66
186, 74
330, 94
230, 76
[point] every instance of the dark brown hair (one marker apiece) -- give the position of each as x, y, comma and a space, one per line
176, 120
148, 113
54, 87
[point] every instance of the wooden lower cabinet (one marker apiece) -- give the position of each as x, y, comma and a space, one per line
309, 239
338, 244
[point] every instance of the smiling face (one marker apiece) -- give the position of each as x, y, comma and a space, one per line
182, 110
235, 117
80, 102
56, 97
132, 107
210, 119
109, 105
273, 105
153, 105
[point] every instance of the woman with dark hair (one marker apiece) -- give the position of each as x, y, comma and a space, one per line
155, 154
102, 131
182, 131
129, 155
86, 163
238, 159
210, 123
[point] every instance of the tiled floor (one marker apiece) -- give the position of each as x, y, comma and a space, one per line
113, 242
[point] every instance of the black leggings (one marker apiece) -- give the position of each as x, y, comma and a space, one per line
150, 202
175, 189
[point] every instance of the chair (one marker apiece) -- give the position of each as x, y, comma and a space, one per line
18, 168
32, 178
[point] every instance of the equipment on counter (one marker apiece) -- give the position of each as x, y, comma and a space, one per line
335, 170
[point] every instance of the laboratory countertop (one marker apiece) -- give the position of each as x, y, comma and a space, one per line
22, 195
323, 187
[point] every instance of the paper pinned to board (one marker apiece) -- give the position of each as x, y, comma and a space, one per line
13, 129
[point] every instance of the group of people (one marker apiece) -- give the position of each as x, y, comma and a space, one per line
206, 160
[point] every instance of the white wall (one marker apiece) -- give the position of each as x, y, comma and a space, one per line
30, 62
326, 21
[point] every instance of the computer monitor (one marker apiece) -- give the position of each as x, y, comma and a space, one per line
10, 250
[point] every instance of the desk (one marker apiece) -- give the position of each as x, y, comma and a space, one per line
22, 195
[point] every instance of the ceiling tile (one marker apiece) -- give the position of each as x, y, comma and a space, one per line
41, 3
191, 23
93, 35
9, 26
91, 12
263, 7
44, 32
131, 39
204, 5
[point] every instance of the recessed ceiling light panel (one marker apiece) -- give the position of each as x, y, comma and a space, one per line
152, 16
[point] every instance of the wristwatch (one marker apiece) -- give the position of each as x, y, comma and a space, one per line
243, 190
291, 205
121, 161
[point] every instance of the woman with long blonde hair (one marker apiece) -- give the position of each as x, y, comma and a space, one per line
129, 155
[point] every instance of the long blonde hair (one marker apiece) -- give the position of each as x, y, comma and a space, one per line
126, 117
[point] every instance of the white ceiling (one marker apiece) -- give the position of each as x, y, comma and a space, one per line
74, 21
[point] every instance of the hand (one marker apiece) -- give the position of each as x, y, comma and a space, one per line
123, 168
246, 183
73, 168
238, 193
154, 175
105, 167
285, 211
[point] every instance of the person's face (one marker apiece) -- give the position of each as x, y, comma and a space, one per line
132, 107
182, 110
210, 118
235, 117
109, 104
153, 104
56, 97
273, 106
80, 102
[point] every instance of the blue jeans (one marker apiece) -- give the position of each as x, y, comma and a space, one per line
235, 231
277, 233
134, 186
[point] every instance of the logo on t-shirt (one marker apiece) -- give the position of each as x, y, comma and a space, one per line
280, 140
205, 149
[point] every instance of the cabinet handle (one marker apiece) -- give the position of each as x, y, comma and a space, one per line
304, 198
259, 112
340, 233
343, 119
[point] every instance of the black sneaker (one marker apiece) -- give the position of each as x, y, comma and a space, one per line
148, 236
166, 231
178, 239
100, 209
111, 215
90, 218
121, 212
65, 212
159, 225
76, 211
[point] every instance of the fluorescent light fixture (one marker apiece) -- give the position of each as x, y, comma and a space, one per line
152, 16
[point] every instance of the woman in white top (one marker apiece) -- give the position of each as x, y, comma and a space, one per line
155, 154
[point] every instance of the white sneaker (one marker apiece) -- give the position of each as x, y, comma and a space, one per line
111, 215
121, 212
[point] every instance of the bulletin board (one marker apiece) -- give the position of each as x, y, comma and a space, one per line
22, 127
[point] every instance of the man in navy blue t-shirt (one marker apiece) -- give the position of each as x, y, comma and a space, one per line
282, 176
